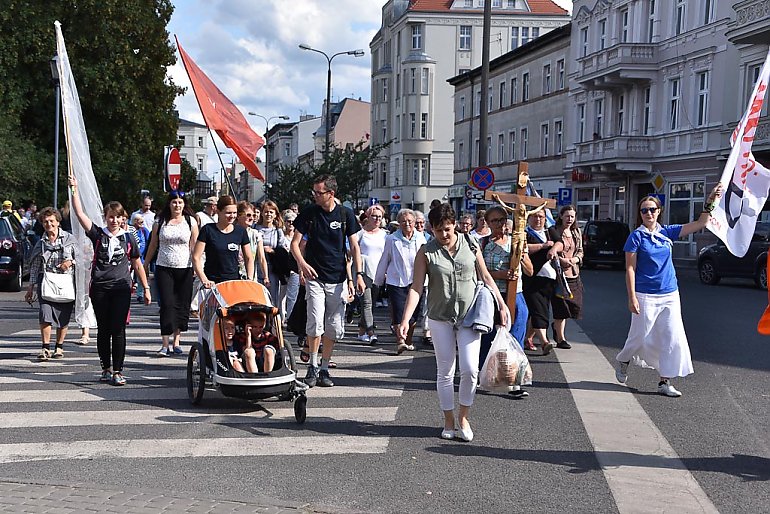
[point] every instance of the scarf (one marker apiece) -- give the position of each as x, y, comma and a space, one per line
655, 236
114, 241
536, 234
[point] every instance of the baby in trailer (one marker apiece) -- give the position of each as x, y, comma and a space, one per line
255, 348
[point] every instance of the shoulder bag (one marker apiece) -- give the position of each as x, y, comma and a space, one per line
57, 287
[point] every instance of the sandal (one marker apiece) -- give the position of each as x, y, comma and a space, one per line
304, 354
332, 364
59, 353
401, 347
44, 355
82, 341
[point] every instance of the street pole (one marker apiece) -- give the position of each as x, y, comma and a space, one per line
484, 107
328, 106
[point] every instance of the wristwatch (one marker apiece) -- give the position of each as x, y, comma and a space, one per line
361, 273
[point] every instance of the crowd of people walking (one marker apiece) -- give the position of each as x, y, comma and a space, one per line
325, 258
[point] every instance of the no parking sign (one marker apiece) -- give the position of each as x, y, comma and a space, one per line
482, 178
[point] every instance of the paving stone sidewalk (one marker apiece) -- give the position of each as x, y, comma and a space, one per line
45, 497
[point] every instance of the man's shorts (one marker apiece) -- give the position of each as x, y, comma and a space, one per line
325, 309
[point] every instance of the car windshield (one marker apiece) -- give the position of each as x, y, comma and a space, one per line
5, 230
606, 232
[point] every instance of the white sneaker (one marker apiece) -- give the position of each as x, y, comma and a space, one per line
363, 338
621, 372
666, 389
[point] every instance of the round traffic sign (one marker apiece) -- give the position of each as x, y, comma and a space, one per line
174, 168
482, 178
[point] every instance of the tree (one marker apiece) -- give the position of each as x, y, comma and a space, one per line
119, 52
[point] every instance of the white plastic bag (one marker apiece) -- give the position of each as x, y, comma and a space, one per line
506, 363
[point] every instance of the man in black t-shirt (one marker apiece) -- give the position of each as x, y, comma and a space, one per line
327, 226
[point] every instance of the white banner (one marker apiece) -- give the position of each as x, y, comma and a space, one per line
78, 164
746, 182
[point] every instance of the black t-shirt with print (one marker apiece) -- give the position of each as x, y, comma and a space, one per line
112, 271
325, 250
222, 251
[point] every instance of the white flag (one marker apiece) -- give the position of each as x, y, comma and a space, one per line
78, 164
746, 183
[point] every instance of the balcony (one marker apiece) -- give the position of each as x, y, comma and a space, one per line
619, 153
618, 66
751, 25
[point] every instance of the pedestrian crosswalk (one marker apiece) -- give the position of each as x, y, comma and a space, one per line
58, 409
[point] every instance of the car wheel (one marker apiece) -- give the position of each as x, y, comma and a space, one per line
760, 277
707, 272
15, 283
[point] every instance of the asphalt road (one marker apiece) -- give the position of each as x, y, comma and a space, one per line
531, 455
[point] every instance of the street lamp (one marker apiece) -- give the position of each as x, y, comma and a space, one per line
57, 92
354, 53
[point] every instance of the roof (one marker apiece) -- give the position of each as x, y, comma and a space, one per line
535, 7
188, 123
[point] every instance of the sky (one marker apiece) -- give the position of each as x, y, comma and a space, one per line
250, 50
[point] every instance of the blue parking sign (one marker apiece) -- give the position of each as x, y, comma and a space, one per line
470, 205
565, 196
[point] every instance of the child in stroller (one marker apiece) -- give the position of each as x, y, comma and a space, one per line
252, 349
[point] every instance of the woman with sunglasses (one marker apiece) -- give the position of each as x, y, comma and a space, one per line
245, 219
656, 338
371, 240
173, 237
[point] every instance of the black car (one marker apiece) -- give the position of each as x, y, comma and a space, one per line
15, 248
603, 242
715, 260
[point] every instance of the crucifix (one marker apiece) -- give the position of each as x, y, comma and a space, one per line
520, 214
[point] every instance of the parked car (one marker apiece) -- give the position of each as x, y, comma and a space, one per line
715, 260
603, 242
15, 247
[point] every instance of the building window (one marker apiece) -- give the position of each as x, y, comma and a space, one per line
413, 80
384, 90
524, 142
525, 87
587, 203
383, 174
465, 37
651, 22
412, 125
525, 36
602, 34
489, 99
398, 46
703, 98
501, 148
424, 125
200, 163
558, 137
398, 88
514, 37
599, 119
497, 3
468, 3
546, 79
751, 80
200, 141
287, 149
673, 106
560, 73
584, 41
647, 98
680, 17
461, 155
416, 37
461, 109
397, 128
396, 172
503, 94
544, 140
424, 81
514, 91
581, 122
512, 142
181, 140
384, 131
624, 26
685, 202
618, 202
535, 32
621, 113
708, 11
477, 107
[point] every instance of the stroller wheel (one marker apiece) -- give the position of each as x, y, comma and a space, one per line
196, 375
300, 408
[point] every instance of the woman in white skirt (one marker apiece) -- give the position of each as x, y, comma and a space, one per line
656, 338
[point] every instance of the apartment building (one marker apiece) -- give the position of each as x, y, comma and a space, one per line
193, 144
420, 45
348, 123
528, 97
652, 99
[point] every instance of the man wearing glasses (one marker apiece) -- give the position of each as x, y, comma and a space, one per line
327, 225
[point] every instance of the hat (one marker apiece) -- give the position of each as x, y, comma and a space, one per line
211, 200
7, 203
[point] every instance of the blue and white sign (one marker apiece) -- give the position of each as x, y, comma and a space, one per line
470, 205
565, 196
661, 197
374, 201
394, 208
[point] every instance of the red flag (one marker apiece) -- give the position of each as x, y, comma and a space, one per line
222, 116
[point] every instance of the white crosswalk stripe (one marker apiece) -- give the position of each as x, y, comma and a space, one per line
58, 409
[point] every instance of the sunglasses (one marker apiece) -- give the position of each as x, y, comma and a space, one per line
651, 210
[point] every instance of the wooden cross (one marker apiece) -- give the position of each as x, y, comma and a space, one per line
520, 214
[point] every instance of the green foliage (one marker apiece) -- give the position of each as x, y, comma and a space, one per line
351, 166
119, 52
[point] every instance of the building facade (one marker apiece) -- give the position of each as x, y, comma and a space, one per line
193, 144
527, 102
652, 102
420, 45
348, 123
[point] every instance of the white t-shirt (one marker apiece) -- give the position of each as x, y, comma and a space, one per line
205, 218
372, 246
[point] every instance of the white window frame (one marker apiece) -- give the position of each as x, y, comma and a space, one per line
384, 128
647, 107
412, 125
524, 142
602, 33
424, 125
558, 137
384, 90
417, 42
490, 98
466, 37
514, 90
501, 148
413, 79
624, 25
525, 36
546, 78
200, 163
512, 144
620, 114
461, 155
651, 21
525, 86
503, 93
200, 141
584, 41
560, 74
599, 117
709, 11
581, 122
703, 82
425, 81
515, 38
675, 98
461, 108
544, 139
680, 17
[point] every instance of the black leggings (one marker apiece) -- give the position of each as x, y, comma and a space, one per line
111, 310
175, 290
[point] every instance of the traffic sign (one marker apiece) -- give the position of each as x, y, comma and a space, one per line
565, 196
470, 205
173, 167
661, 198
394, 208
482, 178
658, 181
374, 201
